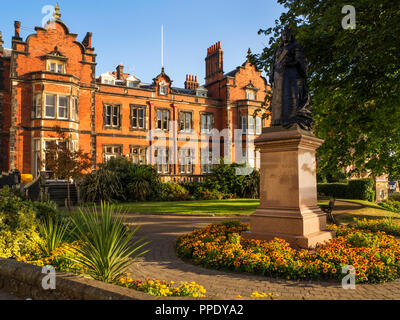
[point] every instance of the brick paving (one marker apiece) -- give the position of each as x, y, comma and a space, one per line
162, 263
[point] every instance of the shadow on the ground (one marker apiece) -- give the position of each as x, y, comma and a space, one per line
163, 230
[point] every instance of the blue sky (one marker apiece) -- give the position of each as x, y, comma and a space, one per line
129, 31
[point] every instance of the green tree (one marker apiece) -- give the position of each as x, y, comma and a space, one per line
354, 80
66, 163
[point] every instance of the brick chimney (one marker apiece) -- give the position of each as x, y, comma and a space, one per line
191, 82
1, 44
17, 27
120, 72
214, 63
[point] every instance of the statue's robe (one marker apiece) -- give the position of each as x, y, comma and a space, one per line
290, 97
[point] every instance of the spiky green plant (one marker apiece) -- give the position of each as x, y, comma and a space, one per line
107, 248
53, 233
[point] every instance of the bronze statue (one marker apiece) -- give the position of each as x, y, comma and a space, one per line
290, 97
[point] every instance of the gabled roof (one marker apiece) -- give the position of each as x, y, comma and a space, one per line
163, 75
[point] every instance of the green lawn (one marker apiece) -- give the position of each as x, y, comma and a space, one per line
345, 210
216, 207
349, 209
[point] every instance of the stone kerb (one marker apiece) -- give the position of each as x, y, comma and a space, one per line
25, 280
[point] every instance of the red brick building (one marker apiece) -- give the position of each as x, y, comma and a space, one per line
49, 80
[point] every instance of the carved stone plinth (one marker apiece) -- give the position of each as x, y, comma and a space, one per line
288, 190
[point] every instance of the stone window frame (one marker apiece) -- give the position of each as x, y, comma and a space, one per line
137, 106
167, 165
183, 112
164, 85
206, 113
209, 165
67, 112
112, 105
248, 116
162, 109
140, 147
113, 154
57, 63
190, 156
39, 106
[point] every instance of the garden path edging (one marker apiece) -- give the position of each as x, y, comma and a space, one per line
25, 281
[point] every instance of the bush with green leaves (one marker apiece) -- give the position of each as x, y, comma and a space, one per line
174, 192
232, 179
101, 185
391, 205
354, 189
144, 183
45, 209
139, 182
394, 196
107, 246
18, 225
386, 225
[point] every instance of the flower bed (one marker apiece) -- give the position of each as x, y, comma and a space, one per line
374, 255
60, 259
161, 288
386, 225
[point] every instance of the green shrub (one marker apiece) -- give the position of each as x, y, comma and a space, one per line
355, 189
391, 205
362, 239
385, 225
174, 192
144, 183
226, 179
336, 190
394, 196
362, 189
18, 225
106, 248
45, 209
101, 185
193, 187
139, 182
251, 185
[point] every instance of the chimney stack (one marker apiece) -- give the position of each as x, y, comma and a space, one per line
1, 44
120, 72
191, 82
214, 63
17, 27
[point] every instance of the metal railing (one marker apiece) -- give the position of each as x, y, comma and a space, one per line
179, 178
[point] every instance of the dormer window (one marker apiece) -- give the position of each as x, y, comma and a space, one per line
56, 61
163, 88
108, 81
55, 66
131, 84
107, 78
250, 95
251, 91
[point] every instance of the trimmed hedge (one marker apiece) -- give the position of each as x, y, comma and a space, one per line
355, 189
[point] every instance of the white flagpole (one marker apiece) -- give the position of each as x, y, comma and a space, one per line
162, 47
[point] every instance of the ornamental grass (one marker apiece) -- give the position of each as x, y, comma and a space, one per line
374, 255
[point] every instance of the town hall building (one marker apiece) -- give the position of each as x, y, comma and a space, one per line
48, 81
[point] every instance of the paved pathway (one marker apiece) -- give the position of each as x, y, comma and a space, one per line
162, 263
7, 296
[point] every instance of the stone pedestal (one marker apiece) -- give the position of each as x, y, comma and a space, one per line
288, 191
